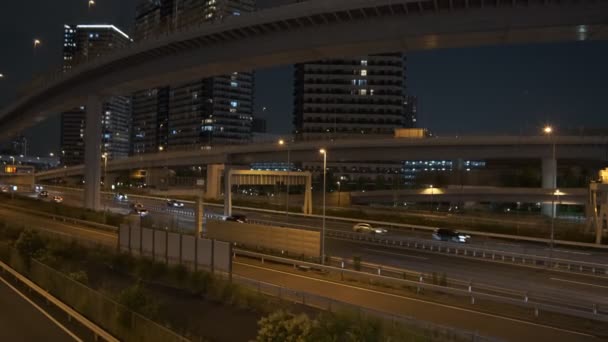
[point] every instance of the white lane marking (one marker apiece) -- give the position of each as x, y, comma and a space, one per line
507, 244
566, 251
579, 283
51, 318
418, 300
397, 254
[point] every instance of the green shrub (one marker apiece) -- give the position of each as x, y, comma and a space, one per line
136, 299
282, 326
30, 244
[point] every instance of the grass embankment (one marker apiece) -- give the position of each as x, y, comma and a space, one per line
61, 209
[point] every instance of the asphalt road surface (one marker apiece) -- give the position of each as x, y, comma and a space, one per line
20, 320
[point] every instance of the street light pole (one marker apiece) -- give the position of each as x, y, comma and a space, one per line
548, 130
105, 171
432, 201
324, 153
281, 143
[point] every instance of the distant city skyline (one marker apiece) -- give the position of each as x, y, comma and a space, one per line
497, 90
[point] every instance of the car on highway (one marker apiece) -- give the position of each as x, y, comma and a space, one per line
444, 234
120, 197
139, 209
57, 199
237, 218
174, 203
43, 194
5, 189
368, 228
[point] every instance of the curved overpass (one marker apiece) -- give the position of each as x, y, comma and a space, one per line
309, 31
472, 148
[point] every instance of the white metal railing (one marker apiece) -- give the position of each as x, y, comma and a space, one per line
94, 328
527, 301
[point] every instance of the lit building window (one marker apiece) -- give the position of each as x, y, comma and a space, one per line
364, 72
234, 104
364, 62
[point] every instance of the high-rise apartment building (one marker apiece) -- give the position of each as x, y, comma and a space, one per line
351, 97
211, 111
84, 43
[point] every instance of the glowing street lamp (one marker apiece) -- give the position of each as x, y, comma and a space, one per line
105, 170
37, 42
548, 130
432, 193
283, 143
91, 3
1, 76
324, 153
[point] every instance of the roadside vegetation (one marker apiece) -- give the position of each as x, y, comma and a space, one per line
197, 305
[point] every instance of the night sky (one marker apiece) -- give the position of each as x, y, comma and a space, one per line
497, 90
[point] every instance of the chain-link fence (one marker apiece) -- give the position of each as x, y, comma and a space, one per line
105, 312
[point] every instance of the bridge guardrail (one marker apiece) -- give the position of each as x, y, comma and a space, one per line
589, 311
94, 328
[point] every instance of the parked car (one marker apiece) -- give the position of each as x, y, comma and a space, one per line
444, 234
237, 218
43, 194
368, 228
175, 203
57, 199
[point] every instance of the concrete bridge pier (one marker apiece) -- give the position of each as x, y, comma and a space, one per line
92, 153
549, 182
227, 190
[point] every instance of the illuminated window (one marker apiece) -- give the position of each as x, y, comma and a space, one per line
364, 62
363, 72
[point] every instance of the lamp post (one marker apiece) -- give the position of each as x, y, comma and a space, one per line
1, 76
91, 3
548, 130
324, 153
339, 191
432, 192
13, 158
283, 143
105, 171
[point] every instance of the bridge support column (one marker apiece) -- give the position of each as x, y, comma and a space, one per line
549, 182
307, 208
213, 181
199, 218
92, 153
227, 191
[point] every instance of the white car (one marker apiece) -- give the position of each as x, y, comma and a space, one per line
368, 228
57, 199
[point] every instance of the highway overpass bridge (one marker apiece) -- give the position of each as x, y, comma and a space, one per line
377, 150
296, 33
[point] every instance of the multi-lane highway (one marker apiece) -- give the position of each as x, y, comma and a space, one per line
447, 315
534, 281
159, 208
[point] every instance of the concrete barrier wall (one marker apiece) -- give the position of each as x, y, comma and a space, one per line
293, 241
176, 248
